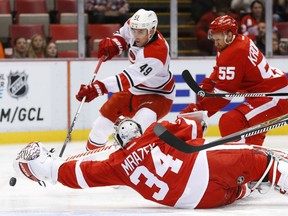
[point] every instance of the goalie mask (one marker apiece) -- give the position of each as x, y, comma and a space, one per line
144, 19
126, 129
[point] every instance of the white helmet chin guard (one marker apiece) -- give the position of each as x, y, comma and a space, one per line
144, 19
125, 129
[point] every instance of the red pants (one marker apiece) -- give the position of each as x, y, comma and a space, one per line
126, 104
228, 171
251, 113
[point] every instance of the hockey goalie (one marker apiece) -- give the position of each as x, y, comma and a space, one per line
210, 178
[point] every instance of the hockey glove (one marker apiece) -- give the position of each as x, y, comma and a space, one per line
191, 108
207, 84
91, 91
110, 47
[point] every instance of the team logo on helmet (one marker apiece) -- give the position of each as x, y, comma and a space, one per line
17, 84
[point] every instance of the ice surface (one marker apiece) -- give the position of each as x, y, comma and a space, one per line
29, 199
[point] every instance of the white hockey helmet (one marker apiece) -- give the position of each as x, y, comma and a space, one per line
125, 129
144, 19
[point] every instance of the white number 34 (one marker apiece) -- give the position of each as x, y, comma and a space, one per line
162, 163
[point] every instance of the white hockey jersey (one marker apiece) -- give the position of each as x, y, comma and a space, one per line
149, 70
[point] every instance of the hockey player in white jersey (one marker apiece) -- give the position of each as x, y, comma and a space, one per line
144, 90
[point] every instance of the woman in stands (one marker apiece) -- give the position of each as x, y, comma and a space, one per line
37, 47
51, 50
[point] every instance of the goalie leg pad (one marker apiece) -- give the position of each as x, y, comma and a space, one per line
278, 172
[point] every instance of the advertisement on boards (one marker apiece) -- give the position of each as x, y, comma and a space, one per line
30, 96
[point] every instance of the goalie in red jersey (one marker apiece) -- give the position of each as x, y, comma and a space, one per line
241, 67
159, 172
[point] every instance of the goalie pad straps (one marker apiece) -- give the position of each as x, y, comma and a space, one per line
266, 178
265, 175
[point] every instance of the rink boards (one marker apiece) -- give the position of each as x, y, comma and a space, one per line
37, 98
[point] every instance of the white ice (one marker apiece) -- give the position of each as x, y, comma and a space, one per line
27, 198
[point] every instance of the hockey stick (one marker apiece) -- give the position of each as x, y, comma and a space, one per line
200, 92
79, 109
184, 147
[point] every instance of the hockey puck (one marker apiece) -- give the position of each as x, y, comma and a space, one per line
12, 181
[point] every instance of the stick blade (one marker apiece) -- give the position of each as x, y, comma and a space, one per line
193, 84
172, 140
159, 129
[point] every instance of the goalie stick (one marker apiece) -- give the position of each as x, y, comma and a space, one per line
200, 92
79, 109
184, 147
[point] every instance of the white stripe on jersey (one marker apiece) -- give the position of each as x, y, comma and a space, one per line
79, 175
197, 183
258, 110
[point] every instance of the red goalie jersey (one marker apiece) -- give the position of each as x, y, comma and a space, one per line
164, 175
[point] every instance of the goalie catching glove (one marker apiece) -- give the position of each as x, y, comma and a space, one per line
91, 91
110, 47
36, 163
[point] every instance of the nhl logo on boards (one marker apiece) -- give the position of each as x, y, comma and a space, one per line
17, 84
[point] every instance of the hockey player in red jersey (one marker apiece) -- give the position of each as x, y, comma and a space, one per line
210, 178
241, 67
144, 90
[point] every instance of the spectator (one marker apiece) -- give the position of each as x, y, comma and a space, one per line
2, 53
36, 47
280, 46
51, 50
280, 9
108, 11
249, 23
278, 49
20, 48
198, 8
241, 6
201, 30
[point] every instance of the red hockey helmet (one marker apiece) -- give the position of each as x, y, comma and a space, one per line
223, 23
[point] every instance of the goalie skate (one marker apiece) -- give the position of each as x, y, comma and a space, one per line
279, 169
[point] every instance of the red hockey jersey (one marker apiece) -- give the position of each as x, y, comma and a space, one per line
241, 67
157, 171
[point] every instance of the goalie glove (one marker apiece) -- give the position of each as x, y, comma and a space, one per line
110, 47
91, 91
36, 163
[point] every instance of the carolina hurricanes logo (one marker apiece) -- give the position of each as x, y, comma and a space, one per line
132, 56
